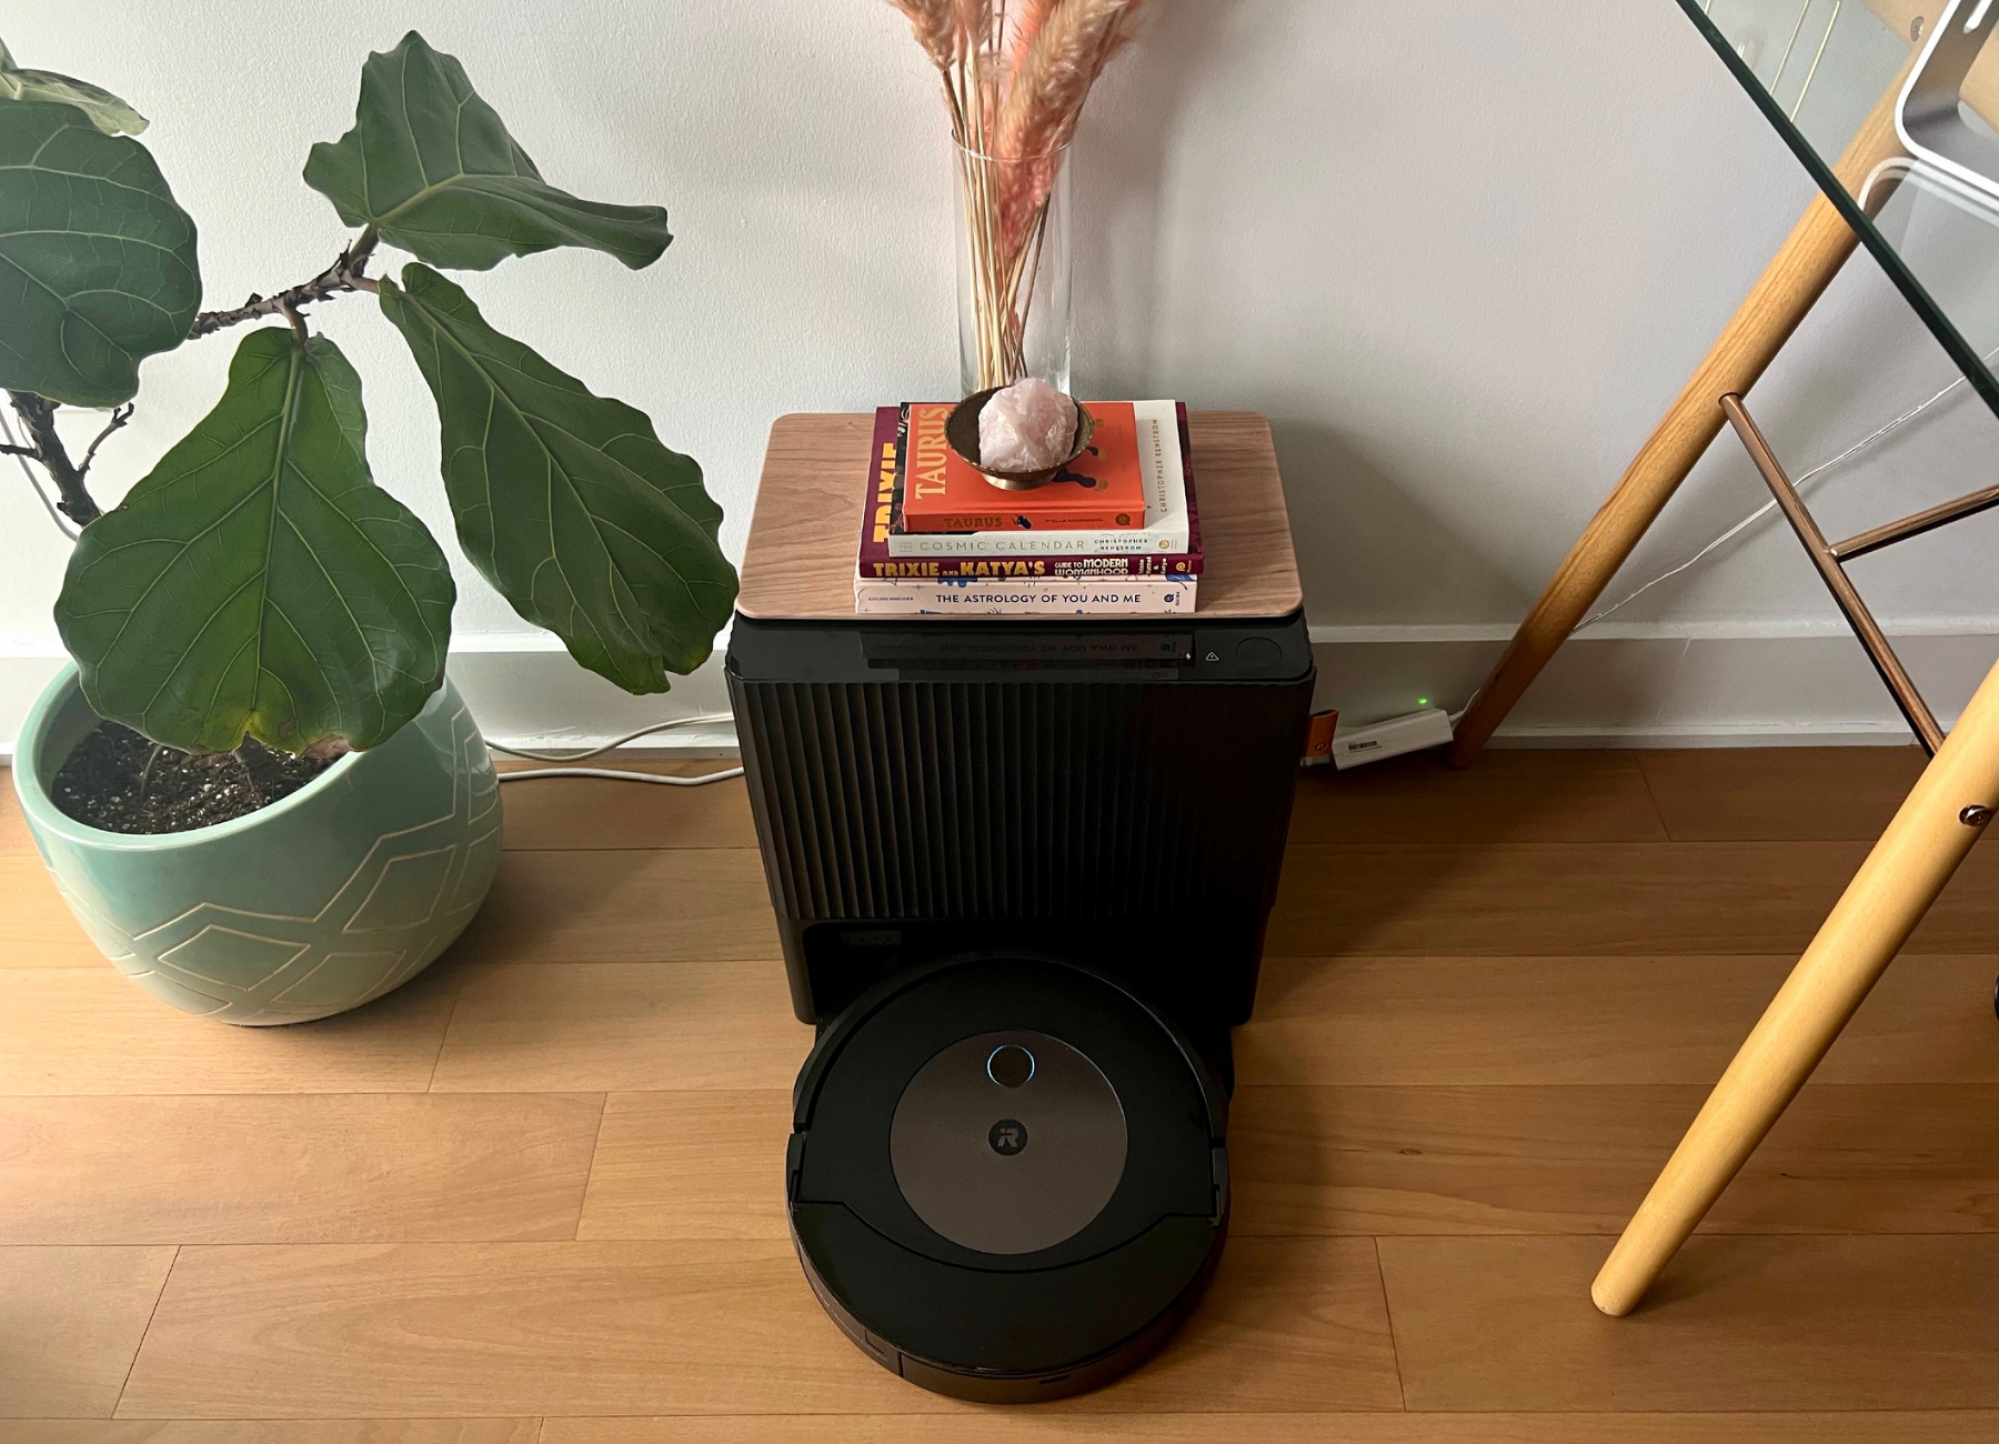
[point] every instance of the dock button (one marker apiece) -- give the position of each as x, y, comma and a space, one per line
1258, 652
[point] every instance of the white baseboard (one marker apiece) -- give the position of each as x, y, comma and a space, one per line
1643, 685
1699, 685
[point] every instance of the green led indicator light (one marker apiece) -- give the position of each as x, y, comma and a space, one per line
1422, 701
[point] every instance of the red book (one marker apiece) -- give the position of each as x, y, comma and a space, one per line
1103, 489
1013, 555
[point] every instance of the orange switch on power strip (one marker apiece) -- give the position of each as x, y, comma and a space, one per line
1319, 730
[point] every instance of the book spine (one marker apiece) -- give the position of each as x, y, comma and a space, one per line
1079, 520
1158, 541
884, 465
1130, 597
875, 567
1187, 478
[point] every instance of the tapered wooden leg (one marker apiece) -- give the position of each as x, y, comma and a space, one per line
1794, 280
1935, 828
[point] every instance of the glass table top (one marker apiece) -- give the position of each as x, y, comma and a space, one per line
1820, 70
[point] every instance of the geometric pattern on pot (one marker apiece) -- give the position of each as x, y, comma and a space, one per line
405, 901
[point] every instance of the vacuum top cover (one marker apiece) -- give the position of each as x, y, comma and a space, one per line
1008, 1142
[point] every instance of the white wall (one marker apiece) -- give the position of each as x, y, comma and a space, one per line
1462, 253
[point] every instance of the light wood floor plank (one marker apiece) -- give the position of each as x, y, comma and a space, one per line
1023, 1426
88, 1030
599, 1027
1734, 1323
1447, 1020
276, 1431
36, 929
1844, 1159
1523, 796
690, 1164
70, 1322
1768, 794
647, 1328
570, 813
1644, 898
14, 839
312, 1169
625, 906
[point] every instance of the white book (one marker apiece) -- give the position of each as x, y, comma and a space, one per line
1165, 531
1060, 596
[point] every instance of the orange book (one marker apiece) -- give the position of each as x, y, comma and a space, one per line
1104, 488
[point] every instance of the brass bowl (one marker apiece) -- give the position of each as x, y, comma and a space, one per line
961, 431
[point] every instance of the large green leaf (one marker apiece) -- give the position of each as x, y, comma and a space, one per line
97, 265
431, 167
106, 111
565, 500
258, 581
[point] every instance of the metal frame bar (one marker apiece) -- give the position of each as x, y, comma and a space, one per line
1827, 558
1943, 515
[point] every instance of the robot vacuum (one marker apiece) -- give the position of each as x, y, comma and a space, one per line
1021, 875
1007, 1179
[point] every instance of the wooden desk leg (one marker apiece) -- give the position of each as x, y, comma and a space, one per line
1794, 280
1943, 815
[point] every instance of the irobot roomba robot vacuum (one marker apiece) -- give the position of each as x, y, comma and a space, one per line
1007, 1178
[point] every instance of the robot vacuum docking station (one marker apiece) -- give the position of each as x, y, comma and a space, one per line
1021, 874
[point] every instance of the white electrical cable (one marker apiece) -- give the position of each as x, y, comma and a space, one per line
615, 742
1769, 506
655, 778
660, 779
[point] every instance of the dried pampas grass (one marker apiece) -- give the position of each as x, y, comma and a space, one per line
936, 26
1016, 74
1057, 67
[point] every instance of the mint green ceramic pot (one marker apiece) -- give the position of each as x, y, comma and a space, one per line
342, 891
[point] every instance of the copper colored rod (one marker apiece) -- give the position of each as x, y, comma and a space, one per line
1862, 621
1940, 515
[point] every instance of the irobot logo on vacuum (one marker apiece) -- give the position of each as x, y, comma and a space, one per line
1008, 1137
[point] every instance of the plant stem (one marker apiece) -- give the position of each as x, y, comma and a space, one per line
347, 273
119, 416
38, 415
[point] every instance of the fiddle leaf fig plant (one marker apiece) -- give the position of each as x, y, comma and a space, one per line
97, 266
257, 582
430, 166
566, 501
105, 110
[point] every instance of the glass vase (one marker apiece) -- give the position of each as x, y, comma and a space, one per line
1014, 314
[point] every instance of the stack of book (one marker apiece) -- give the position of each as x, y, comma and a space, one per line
1116, 534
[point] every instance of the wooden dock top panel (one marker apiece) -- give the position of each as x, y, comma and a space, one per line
803, 536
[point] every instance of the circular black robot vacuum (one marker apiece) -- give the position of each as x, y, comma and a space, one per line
1007, 1178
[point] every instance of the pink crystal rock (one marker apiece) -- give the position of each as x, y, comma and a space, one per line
1028, 426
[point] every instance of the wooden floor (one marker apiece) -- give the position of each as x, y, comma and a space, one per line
534, 1196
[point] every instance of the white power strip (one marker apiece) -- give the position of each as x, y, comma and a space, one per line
1428, 728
